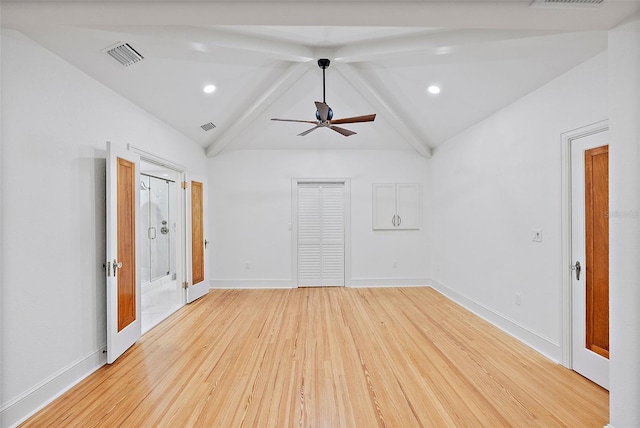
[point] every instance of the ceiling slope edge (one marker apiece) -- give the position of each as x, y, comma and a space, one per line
268, 97
383, 104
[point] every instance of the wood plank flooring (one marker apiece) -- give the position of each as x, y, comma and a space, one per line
328, 357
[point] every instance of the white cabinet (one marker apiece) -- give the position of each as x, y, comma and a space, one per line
396, 206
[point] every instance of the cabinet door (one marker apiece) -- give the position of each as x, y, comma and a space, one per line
384, 206
407, 206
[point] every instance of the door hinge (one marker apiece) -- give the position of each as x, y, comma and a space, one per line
107, 266
184, 184
185, 284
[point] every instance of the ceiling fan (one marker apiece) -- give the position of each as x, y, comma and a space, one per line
324, 113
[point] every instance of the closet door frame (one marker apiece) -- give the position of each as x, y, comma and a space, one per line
346, 182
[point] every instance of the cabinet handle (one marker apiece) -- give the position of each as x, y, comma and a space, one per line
393, 220
399, 221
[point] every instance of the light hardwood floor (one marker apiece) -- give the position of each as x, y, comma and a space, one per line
328, 357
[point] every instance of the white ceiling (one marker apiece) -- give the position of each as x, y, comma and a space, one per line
262, 58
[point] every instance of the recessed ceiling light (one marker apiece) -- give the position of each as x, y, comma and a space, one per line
209, 89
433, 89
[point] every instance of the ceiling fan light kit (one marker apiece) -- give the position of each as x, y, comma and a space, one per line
324, 113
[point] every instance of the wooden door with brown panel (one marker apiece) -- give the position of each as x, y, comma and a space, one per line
124, 324
597, 249
126, 260
196, 202
197, 232
590, 256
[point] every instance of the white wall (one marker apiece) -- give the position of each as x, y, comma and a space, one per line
250, 200
624, 166
494, 184
56, 121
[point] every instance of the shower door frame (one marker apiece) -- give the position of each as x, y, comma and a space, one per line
169, 260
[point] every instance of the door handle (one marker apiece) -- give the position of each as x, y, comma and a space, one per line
578, 268
116, 265
206, 243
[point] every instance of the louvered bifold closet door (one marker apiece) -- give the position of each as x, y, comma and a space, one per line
333, 235
309, 234
321, 234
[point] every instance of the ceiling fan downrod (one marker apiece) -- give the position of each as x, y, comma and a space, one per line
323, 63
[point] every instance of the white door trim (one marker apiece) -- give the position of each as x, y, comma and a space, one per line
294, 224
566, 328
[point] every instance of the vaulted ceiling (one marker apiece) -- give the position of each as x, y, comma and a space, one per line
262, 58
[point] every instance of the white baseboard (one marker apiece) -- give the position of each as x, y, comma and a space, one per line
388, 282
25, 405
288, 283
535, 340
250, 283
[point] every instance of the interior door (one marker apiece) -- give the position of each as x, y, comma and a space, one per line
196, 239
590, 256
124, 320
321, 234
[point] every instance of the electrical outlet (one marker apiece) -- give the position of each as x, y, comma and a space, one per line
536, 235
518, 299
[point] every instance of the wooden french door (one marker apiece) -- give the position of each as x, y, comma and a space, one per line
197, 284
590, 251
124, 324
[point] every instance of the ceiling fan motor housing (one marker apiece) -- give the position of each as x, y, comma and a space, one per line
329, 115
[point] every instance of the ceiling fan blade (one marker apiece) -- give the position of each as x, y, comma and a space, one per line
354, 119
302, 134
323, 110
295, 120
342, 131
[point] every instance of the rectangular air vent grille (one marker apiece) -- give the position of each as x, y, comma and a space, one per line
125, 54
566, 3
208, 126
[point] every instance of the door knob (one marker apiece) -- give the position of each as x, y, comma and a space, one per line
116, 265
578, 268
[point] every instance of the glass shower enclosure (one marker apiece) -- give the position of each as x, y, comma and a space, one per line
158, 227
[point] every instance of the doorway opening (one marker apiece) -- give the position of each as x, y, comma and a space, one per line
160, 235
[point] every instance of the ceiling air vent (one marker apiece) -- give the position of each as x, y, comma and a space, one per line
125, 54
566, 3
208, 126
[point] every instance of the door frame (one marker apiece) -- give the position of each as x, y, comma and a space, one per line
568, 137
182, 262
346, 182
